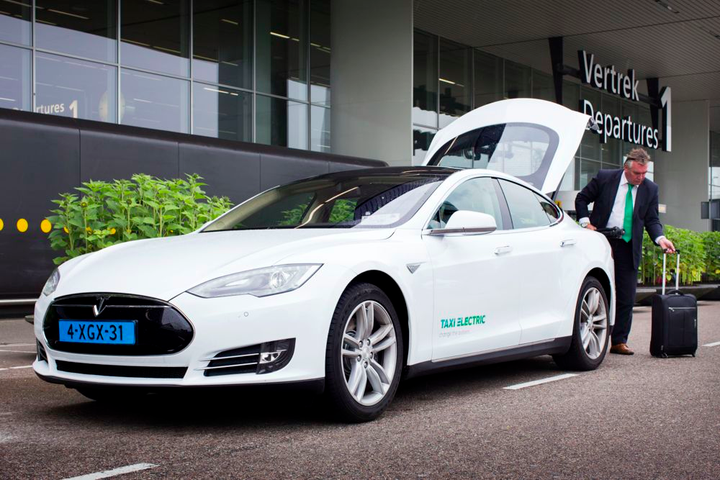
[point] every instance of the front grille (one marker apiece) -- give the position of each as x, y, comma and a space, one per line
230, 362
121, 371
41, 354
160, 328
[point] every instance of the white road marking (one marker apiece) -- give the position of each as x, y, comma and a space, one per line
540, 382
15, 368
714, 344
114, 472
17, 345
17, 351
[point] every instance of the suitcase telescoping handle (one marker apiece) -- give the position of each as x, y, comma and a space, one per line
677, 271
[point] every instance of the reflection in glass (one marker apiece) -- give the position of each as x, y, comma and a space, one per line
543, 86
152, 101
425, 79
488, 78
517, 80
281, 122
455, 81
86, 28
15, 78
75, 88
15, 19
281, 48
155, 35
422, 137
222, 112
320, 52
320, 129
590, 145
222, 42
588, 170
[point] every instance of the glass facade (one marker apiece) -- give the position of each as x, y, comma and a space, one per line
244, 70
452, 79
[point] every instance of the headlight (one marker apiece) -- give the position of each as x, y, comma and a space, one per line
51, 283
260, 283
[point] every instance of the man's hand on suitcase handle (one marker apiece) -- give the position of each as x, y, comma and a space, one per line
667, 245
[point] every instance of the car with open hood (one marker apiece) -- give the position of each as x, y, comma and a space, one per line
350, 281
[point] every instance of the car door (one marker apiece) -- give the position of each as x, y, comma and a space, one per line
474, 306
543, 257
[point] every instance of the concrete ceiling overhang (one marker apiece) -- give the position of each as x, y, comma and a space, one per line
680, 45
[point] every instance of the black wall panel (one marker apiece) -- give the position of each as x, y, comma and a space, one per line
37, 162
109, 156
229, 173
279, 169
42, 156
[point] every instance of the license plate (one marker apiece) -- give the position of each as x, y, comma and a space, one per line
83, 331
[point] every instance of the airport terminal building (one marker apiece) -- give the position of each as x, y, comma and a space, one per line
253, 93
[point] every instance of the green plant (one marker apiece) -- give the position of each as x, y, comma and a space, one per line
711, 241
692, 258
104, 214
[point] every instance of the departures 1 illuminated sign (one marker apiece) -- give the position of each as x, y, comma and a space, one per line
624, 85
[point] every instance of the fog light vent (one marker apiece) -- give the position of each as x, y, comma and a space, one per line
261, 358
276, 355
41, 354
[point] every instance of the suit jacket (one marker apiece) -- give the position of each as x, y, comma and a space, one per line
602, 190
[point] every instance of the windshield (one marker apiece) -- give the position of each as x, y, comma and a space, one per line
382, 197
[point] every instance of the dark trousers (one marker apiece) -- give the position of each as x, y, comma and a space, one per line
625, 286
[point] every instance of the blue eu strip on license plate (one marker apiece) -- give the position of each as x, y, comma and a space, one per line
83, 331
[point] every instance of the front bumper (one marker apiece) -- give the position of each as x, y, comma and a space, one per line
219, 325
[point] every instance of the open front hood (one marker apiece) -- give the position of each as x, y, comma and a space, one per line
165, 267
569, 127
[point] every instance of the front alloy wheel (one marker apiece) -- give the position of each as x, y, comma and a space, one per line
364, 355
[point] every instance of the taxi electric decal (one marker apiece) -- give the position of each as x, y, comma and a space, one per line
624, 85
462, 321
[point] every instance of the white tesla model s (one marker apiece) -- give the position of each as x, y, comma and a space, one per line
349, 281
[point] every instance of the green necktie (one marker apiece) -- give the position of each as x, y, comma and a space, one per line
627, 222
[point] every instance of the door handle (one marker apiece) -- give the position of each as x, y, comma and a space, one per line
503, 249
568, 242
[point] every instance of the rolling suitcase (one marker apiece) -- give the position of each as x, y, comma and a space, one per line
674, 320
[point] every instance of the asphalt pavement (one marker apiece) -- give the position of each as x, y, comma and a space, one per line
635, 417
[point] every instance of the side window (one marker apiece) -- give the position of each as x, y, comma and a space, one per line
525, 208
477, 195
552, 211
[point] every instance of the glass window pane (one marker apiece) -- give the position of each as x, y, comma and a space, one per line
15, 22
488, 78
223, 42
588, 170
15, 78
280, 122
590, 145
425, 79
517, 80
152, 101
543, 86
422, 137
281, 48
475, 195
75, 88
155, 35
222, 112
455, 81
525, 209
611, 150
320, 140
320, 51
86, 28
571, 95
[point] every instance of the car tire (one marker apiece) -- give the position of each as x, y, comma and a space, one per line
114, 395
590, 335
364, 355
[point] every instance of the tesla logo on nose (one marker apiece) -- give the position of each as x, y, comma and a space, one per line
99, 306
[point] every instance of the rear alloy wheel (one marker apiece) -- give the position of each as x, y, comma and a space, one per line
364, 354
590, 332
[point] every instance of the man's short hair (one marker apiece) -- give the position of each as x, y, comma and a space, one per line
638, 155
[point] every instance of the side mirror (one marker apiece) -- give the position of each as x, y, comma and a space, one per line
467, 222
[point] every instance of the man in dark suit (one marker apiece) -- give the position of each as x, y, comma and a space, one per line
624, 198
